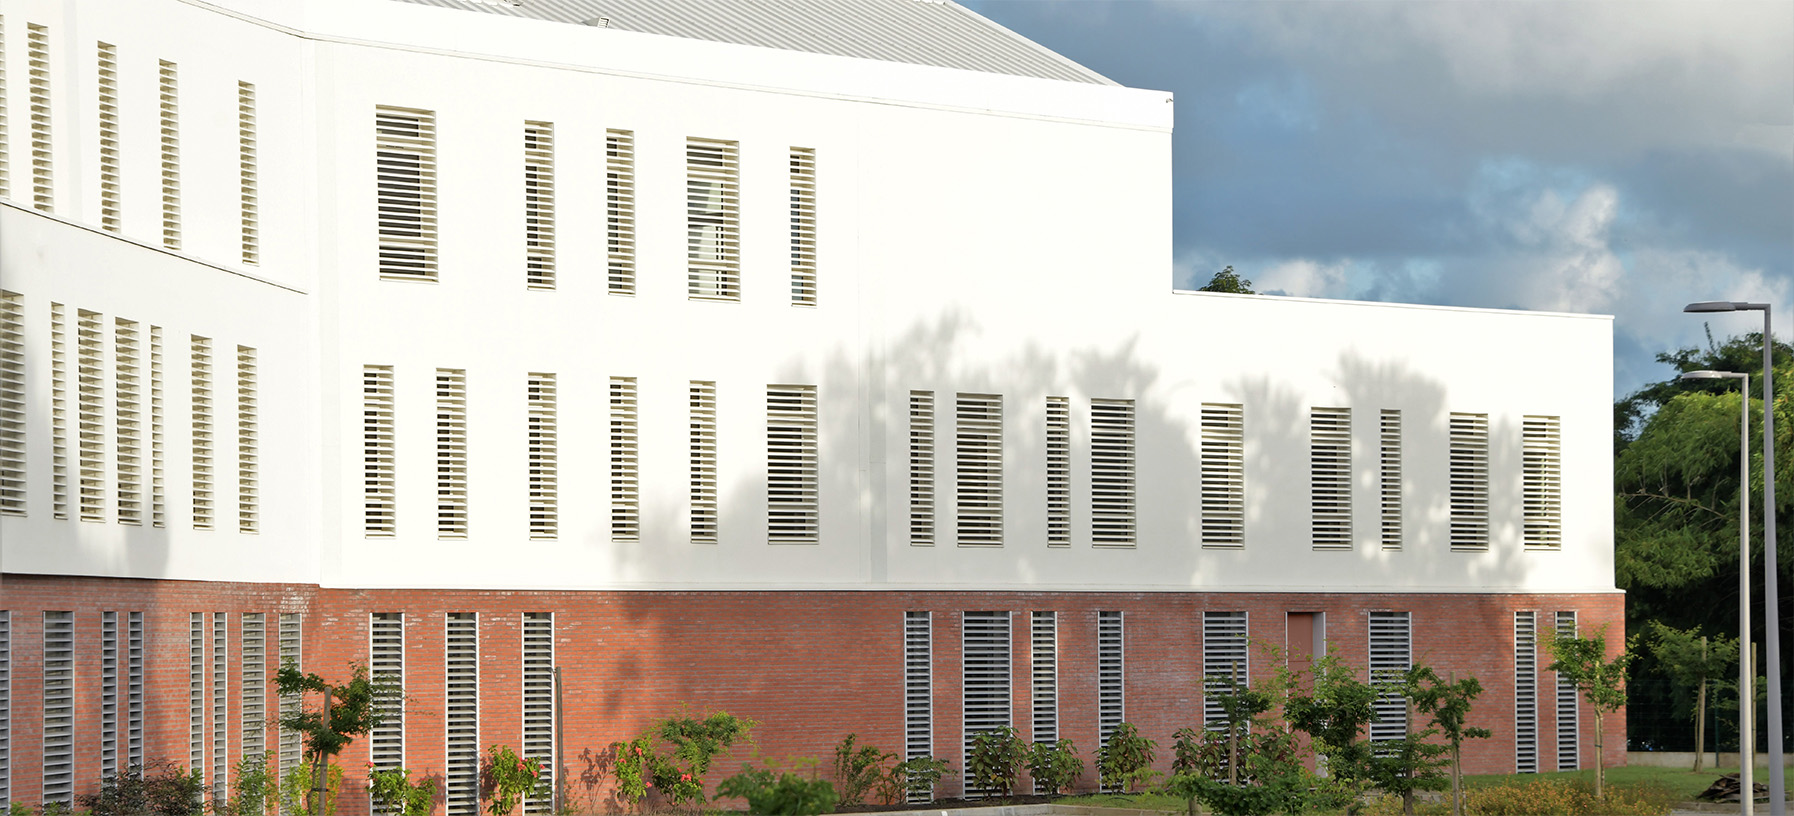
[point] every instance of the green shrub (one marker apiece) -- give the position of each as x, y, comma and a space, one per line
396, 793
1127, 759
858, 770
160, 790
917, 775
1055, 766
996, 759
786, 794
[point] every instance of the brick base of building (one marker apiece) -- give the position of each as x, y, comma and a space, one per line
809, 666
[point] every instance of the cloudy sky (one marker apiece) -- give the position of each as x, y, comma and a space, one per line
1619, 158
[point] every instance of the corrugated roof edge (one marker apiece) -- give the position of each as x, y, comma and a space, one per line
1048, 52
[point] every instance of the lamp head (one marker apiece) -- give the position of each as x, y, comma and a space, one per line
1713, 375
1725, 306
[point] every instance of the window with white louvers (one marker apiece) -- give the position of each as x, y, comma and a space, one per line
1391, 655
461, 709
918, 693
712, 219
220, 707
59, 708
5, 192
1044, 671
1526, 693
1568, 707
544, 450
134, 693
1111, 667
1389, 477
203, 426
985, 666
248, 203
791, 465
405, 192
1223, 475
196, 693
37, 59
803, 226
249, 494
386, 665
253, 656
538, 204
1112, 472
703, 462
625, 462
1058, 471
538, 706
1469, 482
170, 121
158, 497
5, 706
127, 407
921, 468
12, 404
90, 401
979, 469
379, 466
291, 747
451, 453
619, 209
109, 693
1542, 482
107, 86
1224, 656
1330, 478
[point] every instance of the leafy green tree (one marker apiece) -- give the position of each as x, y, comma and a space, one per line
1447, 701
1582, 662
351, 712
996, 759
1693, 660
1228, 280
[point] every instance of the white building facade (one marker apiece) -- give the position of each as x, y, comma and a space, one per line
820, 368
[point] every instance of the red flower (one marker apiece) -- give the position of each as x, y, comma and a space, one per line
685, 777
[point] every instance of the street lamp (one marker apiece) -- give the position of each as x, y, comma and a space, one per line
1772, 652
1747, 697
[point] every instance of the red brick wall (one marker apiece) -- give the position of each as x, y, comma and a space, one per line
809, 666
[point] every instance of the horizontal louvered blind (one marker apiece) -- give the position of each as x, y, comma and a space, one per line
1224, 656
1542, 482
12, 404
703, 462
619, 209
405, 192
979, 469
386, 664
461, 704
1044, 670
59, 412
918, 693
1469, 478
1330, 477
1223, 475
127, 383
170, 119
203, 476
247, 182
712, 219
451, 453
791, 464
1058, 471
1112, 472
1111, 664
538, 707
538, 204
59, 708
803, 226
1526, 693
249, 492
90, 400
1569, 736
1389, 478
37, 62
985, 666
107, 81
625, 463
379, 466
921, 468
1391, 655
544, 449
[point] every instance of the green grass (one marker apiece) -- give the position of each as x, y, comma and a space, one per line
1127, 801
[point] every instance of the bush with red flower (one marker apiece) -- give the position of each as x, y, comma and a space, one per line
506, 778
674, 756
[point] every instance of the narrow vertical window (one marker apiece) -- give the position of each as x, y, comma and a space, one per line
90, 415
1225, 661
1469, 476
921, 468
1526, 693
985, 666
220, 709
803, 226
1058, 471
1330, 478
59, 412
12, 404
1223, 475
247, 195
252, 660
249, 496
544, 457
625, 497
703, 462
134, 697
538, 706
1391, 655
201, 361
171, 155
379, 465
1542, 483
461, 704
109, 681
451, 453
791, 465
109, 148
5, 192
386, 663
538, 204
290, 745
405, 192
1569, 737
196, 694
1389, 478
918, 694
5, 697
619, 209
1112, 473
37, 56
712, 219
1043, 666
979, 469
158, 500
1111, 667
127, 360
59, 707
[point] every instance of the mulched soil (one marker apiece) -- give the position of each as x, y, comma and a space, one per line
949, 804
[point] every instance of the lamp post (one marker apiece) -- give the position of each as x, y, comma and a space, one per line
1747, 697
1772, 657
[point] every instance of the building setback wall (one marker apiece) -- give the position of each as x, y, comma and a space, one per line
810, 667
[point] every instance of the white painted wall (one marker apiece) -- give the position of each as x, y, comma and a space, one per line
977, 233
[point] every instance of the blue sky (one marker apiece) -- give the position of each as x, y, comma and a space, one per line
1617, 158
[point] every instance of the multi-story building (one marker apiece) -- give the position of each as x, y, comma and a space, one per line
817, 363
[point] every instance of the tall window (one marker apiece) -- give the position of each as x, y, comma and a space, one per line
1043, 665
1058, 471
252, 655
712, 219
220, 707
538, 706
1330, 477
985, 667
196, 693
451, 453
803, 226
978, 444
386, 663
619, 209
1224, 657
1389, 478
791, 464
246, 175
703, 462
37, 56
379, 466
59, 707
249, 497
290, 651
625, 462
127, 360
158, 499
918, 692
90, 393
1569, 711
1469, 473
1112, 472
1223, 475
59, 412
202, 433
109, 693
1542, 483
538, 204
1391, 655
461, 704
171, 155
405, 192
12, 404
1526, 693
5, 172
109, 146
921, 468
544, 457
1111, 664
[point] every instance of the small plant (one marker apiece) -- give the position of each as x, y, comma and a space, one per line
1127, 759
297, 790
253, 789
996, 760
160, 790
1055, 766
394, 791
507, 778
783, 794
916, 776
858, 770
634, 768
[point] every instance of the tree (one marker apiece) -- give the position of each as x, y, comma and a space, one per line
1448, 701
1692, 662
1334, 714
1582, 662
348, 711
1228, 280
